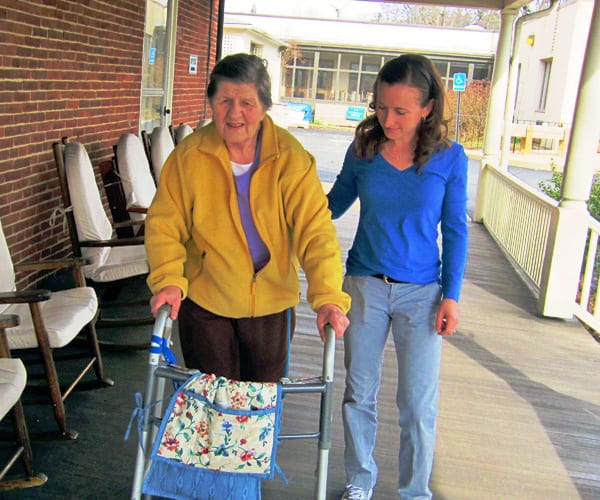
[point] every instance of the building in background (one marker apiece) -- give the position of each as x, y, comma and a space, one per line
331, 64
240, 36
552, 50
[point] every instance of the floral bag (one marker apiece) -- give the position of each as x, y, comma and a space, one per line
216, 441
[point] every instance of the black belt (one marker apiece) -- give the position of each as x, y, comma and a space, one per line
387, 279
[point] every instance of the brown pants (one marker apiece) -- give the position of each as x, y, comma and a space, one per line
248, 349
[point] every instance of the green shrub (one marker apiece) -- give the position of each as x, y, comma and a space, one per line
552, 188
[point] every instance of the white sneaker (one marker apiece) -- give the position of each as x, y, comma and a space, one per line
356, 493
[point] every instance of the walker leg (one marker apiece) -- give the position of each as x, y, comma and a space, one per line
326, 415
321, 484
154, 388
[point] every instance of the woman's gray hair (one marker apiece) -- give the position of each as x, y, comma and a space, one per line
242, 68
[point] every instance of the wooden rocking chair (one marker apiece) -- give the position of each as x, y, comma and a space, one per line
116, 263
13, 378
50, 321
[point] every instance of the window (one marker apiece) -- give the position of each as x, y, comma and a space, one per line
256, 49
157, 64
443, 67
227, 45
458, 67
371, 64
303, 83
325, 74
546, 68
288, 82
482, 71
324, 84
306, 59
348, 77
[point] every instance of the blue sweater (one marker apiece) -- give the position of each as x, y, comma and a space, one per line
400, 212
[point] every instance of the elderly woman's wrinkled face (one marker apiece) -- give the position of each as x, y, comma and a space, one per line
237, 113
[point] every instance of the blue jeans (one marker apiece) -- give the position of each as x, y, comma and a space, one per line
410, 310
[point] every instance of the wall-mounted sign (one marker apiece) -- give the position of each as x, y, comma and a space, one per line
193, 69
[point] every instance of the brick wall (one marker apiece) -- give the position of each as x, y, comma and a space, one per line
73, 68
195, 23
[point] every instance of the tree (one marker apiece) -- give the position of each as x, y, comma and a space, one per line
454, 17
473, 113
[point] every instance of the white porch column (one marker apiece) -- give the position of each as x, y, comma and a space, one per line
561, 274
579, 166
497, 101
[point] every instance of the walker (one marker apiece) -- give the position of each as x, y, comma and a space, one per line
161, 366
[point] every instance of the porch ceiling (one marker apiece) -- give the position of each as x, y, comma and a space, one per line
480, 4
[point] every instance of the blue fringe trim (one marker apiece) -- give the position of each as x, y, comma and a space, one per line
167, 480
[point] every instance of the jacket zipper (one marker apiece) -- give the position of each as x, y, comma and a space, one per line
253, 296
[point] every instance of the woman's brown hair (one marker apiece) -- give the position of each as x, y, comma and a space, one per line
432, 134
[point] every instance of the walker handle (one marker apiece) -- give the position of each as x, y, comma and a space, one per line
162, 316
329, 354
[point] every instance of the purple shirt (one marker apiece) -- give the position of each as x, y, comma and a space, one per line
258, 250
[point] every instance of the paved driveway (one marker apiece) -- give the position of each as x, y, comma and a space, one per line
329, 148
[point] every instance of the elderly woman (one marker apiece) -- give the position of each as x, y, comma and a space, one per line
239, 205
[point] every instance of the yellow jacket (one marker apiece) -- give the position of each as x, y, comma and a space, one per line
195, 239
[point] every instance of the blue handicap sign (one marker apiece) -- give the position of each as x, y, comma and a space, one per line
460, 82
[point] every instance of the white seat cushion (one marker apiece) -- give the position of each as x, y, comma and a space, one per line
90, 217
64, 315
161, 145
182, 131
122, 262
134, 170
7, 283
13, 378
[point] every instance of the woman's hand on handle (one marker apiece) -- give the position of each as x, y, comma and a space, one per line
168, 295
332, 314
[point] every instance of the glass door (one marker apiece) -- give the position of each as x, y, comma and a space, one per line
157, 70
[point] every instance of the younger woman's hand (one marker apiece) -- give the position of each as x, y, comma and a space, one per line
447, 317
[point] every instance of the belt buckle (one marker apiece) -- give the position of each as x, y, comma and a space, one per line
386, 280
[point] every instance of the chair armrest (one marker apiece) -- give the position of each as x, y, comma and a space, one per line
9, 321
53, 264
115, 242
137, 209
25, 296
128, 223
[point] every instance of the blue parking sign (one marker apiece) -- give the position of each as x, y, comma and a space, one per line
460, 82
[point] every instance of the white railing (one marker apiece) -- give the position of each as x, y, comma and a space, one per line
521, 220
587, 308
